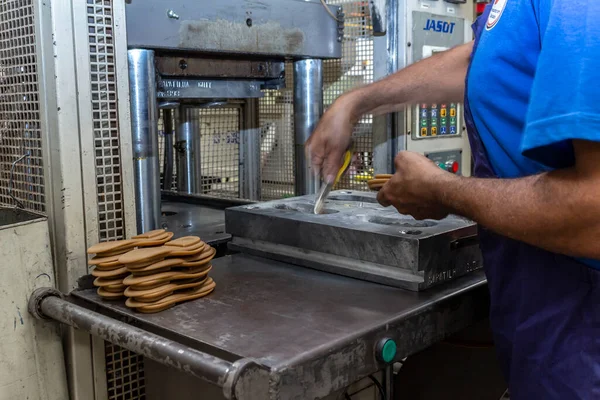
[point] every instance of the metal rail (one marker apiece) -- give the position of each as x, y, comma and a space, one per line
243, 379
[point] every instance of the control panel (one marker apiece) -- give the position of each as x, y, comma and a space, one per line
424, 28
434, 120
450, 161
437, 130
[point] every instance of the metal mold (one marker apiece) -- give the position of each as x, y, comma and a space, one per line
399, 222
362, 239
348, 196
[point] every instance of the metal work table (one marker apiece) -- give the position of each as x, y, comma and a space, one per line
311, 331
203, 216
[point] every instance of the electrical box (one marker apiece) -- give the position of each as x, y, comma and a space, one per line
424, 28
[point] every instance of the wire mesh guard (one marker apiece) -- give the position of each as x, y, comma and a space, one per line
124, 374
105, 120
124, 369
21, 163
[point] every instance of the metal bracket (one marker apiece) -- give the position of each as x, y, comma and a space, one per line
36, 299
11, 181
378, 16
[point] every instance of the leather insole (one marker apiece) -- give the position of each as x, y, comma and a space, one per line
171, 300
165, 263
154, 280
149, 239
105, 294
157, 293
151, 235
186, 241
140, 256
98, 273
103, 282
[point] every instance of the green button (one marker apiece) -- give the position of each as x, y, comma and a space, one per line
434, 122
442, 165
423, 122
388, 352
453, 121
443, 121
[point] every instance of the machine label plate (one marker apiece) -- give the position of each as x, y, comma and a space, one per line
208, 89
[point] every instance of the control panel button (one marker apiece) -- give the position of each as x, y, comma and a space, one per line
423, 131
443, 130
452, 166
434, 131
443, 112
453, 112
453, 130
386, 350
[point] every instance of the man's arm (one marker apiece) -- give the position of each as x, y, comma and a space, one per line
437, 79
558, 211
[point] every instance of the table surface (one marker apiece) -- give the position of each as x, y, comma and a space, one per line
278, 313
184, 219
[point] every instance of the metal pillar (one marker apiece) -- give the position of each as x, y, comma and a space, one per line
250, 178
308, 108
144, 124
189, 174
387, 59
168, 159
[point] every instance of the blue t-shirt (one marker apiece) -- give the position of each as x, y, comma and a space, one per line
534, 84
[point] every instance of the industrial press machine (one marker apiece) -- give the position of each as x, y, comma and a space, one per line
304, 307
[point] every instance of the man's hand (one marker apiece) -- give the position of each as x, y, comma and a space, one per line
331, 139
412, 189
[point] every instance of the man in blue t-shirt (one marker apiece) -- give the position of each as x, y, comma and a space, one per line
532, 107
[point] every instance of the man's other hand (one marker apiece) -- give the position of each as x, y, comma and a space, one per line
331, 139
412, 189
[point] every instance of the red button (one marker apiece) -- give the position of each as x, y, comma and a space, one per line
455, 167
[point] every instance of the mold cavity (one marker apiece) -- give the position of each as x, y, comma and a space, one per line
411, 232
168, 213
402, 222
348, 197
302, 208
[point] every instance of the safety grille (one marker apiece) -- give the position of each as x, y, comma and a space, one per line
20, 132
105, 120
124, 369
220, 137
124, 376
220, 149
353, 70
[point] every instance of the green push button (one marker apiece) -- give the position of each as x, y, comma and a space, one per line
388, 351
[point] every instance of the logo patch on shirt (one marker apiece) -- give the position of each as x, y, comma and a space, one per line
495, 13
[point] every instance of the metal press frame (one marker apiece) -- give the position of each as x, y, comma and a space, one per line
144, 88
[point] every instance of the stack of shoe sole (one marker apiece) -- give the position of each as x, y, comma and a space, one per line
378, 182
107, 269
162, 277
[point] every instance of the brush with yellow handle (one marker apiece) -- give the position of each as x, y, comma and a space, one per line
326, 188
378, 181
